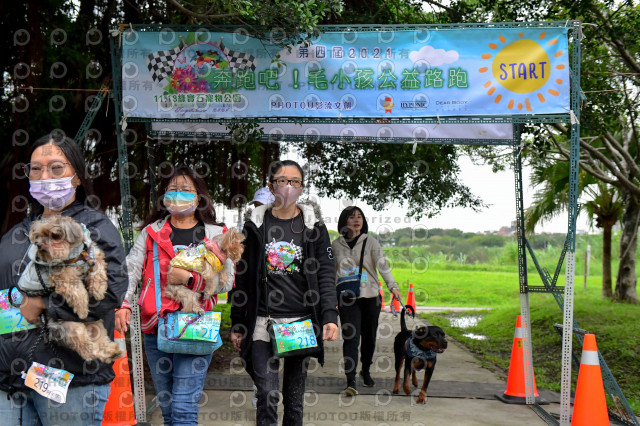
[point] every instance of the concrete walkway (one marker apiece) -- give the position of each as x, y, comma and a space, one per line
461, 393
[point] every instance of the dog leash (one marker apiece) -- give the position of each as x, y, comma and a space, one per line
395, 313
393, 309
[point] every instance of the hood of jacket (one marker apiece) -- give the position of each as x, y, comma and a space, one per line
310, 212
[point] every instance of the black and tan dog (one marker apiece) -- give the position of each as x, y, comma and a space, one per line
417, 349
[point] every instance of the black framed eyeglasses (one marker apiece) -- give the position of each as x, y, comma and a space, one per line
296, 183
56, 169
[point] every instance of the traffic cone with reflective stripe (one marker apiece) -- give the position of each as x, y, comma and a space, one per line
119, 408
590, 403
516, 392
381, 295
411, 298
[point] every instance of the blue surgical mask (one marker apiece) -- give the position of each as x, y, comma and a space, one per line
180, 203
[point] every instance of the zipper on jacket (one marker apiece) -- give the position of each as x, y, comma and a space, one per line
144, 294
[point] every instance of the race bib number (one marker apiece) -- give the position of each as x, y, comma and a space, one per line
49, 382
295, 335
10, 318
207, 327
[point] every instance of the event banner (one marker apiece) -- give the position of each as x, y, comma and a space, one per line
367, 74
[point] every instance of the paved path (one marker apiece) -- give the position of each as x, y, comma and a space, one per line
461, 393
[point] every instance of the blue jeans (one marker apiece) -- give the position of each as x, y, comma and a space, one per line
179, 379
84, 407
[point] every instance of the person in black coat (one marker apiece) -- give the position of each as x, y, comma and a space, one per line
59, 184
300, 283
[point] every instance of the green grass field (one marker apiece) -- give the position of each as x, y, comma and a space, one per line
615, 325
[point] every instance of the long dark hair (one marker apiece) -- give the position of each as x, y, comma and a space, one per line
342, 221
204, 212
74, 155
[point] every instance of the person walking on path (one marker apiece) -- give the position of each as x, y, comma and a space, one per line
59, 184
359, 316
286, 275
183, 216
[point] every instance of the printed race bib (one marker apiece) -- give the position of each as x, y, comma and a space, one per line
10, 318
49, 382
207, 327
294, 336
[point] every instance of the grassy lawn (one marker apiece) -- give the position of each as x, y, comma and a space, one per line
615, 325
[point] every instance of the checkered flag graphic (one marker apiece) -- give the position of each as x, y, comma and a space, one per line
160, 63
297, 250
238, 60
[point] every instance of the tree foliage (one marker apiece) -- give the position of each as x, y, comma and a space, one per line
233, 170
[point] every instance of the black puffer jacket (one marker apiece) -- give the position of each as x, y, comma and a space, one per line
319, 272
14, 348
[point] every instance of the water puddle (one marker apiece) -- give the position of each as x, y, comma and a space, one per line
475, 336
467, 321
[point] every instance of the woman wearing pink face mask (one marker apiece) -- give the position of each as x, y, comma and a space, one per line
59, 184
286, 275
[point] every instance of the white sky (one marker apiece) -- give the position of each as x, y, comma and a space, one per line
496, 189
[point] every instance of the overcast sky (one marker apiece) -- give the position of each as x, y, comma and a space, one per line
496, 189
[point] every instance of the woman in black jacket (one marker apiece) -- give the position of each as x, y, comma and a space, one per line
59, 184
297, 260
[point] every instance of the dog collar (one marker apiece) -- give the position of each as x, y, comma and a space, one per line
416, 351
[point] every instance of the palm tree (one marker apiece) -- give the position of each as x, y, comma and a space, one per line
604, 208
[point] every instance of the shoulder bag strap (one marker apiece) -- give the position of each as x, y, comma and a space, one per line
156, 273
264, 263
364, 244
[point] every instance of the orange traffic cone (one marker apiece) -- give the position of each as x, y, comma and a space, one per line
516, 392
381, 295
590, 404
119, 408
411, 298
394, 305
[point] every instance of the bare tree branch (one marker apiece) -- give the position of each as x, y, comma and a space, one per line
624, 151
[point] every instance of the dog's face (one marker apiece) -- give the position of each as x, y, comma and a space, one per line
430, 338
55, 236
231, 243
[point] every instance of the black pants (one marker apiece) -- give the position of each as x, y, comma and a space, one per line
359, 319
265, 376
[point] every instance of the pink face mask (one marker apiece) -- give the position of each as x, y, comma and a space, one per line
287, 195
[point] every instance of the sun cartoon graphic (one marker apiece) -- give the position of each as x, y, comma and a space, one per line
524, 72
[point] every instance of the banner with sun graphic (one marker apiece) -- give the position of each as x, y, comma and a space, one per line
347, 74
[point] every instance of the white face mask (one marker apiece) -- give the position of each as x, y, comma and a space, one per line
53, 194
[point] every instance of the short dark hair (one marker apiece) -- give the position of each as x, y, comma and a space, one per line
342, 221
205, 211
275, 167
73, 153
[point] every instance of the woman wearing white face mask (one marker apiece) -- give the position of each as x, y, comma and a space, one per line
183, 216
286, 275
58, 184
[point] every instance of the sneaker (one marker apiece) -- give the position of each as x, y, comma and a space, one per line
366, 378
254, 399
351, 388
